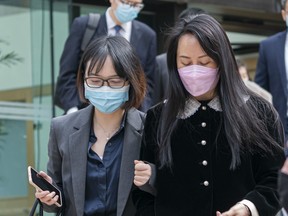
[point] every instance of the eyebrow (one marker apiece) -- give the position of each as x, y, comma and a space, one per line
113, 76
187, 57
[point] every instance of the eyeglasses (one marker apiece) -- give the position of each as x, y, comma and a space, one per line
97, 82
132, 4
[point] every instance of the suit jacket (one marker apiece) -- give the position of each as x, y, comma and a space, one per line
271, 72
143, 39
161, 78
67, 151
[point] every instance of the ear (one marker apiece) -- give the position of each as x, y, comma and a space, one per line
283, 13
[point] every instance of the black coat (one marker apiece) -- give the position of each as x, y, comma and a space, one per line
201, 182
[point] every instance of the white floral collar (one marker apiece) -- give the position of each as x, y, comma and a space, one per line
192, 106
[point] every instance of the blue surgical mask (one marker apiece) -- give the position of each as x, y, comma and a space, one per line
125, 13
106, 99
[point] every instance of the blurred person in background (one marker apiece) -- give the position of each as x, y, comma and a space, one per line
242, 67
272, 68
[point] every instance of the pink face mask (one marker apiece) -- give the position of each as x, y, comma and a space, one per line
197, 79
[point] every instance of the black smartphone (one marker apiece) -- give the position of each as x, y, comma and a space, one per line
42, 184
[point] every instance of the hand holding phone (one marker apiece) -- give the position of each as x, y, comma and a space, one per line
41, 184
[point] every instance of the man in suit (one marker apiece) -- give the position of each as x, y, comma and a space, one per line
142, 37
272, 68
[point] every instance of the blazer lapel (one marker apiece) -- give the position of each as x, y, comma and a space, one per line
78, 146
130, 152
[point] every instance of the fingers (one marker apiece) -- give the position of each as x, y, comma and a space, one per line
218, 213
45, 176
47, 197
142, 173
237, 210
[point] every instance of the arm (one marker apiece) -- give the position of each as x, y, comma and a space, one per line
54, 167
149, 69
144, 202
266, 167
66, 94
261, 76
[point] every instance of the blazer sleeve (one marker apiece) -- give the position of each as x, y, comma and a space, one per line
262, 76
144, 201
54, 166
66, 94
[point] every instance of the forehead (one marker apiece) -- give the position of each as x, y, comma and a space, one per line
133, 1
189, 45
104, 67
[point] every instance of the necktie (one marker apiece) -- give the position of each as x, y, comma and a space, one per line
117, 30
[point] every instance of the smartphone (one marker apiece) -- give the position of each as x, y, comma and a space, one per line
42, 184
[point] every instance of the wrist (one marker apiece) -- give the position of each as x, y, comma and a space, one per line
247, 208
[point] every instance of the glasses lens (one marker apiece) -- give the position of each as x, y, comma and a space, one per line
94, 82
116, 82
133, 4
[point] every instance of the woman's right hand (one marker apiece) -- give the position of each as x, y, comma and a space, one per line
45, 196
142, 173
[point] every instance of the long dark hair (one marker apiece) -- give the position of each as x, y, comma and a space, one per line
244, 127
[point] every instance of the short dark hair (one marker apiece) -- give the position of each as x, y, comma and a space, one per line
126, 64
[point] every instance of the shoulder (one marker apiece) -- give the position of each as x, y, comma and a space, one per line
78, 116
274, 38
264, 109
143, 27
136, 118
161, 57
155, 111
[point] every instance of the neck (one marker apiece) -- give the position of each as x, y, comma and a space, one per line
108, 121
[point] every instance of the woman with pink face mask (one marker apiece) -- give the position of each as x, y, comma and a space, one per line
216, 145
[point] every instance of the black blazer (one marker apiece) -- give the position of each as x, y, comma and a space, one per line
143, 39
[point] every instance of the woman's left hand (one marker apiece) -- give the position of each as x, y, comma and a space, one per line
237, 210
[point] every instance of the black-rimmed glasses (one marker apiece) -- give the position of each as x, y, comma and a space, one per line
132, 4
97, 82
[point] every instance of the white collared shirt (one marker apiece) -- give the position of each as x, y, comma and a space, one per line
126, 27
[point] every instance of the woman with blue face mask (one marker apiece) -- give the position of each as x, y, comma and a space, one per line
216, 145
91, 151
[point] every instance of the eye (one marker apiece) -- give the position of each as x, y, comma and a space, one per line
204, 63
93, 81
